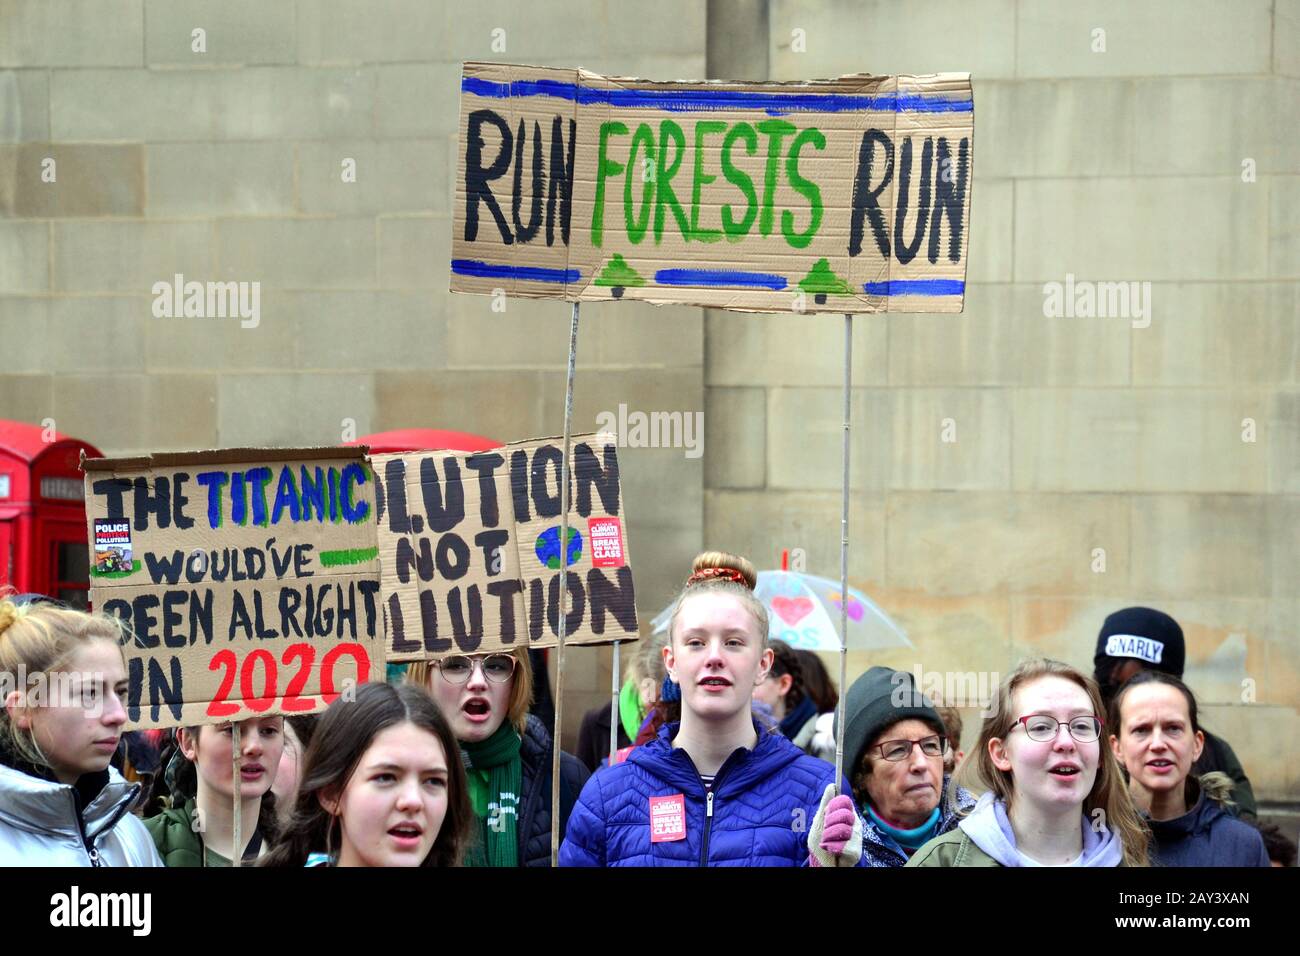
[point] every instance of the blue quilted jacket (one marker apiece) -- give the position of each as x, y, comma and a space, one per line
759, 813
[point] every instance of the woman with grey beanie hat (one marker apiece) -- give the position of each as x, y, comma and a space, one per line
894, 743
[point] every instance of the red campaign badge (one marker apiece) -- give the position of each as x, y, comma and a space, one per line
606, 537
667, 818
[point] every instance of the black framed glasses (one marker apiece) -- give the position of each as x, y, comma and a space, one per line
497, 668
932, 746
1044, 727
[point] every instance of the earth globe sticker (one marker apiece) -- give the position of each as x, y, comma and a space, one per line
548, 548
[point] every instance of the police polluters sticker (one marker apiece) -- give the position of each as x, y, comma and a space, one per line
113, 546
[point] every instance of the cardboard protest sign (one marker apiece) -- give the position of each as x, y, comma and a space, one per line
469, 543
249, 578
848, 195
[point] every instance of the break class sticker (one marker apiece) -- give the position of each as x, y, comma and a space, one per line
667, 818
606, 538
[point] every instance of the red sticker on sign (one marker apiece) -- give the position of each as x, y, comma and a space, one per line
667, 818
606, 536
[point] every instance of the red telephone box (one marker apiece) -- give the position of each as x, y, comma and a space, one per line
43, 513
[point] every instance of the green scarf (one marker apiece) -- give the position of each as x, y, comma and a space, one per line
630, 714
493, 770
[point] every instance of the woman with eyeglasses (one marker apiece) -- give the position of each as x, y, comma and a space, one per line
1157, 737
1054, 795
894, 745
507, 754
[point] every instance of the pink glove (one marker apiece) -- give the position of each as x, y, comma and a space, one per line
836, 831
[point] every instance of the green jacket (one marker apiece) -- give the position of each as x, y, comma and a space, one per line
954, 848
173, 833
180, 844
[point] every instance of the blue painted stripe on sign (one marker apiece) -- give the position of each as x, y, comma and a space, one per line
556, 88
916, 287
719, 277
688, 100
488, 270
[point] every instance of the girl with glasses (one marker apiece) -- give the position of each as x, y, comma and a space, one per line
1053, 795
1157, 737
507, 754
713, 789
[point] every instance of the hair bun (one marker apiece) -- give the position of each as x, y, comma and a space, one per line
720, 565
8, 614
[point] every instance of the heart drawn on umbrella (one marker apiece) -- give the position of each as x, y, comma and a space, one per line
792, 610
855, 606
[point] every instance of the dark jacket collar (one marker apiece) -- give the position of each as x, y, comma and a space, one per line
1198, 819
535, 742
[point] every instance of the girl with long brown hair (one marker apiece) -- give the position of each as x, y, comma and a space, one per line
1053, 791
382, 786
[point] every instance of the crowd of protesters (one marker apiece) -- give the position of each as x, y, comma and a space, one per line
724, 750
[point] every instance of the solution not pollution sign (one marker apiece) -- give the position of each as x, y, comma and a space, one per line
471, 552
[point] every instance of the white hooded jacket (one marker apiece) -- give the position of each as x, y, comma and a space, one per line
989, 829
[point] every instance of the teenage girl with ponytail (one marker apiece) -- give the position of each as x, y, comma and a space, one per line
196, 827
714, 789
63, 677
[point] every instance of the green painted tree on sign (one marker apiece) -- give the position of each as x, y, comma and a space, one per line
618, 275
821, 281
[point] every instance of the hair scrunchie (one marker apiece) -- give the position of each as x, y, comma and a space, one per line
670, 691
725, 574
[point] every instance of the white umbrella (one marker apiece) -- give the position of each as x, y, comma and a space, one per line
804, 611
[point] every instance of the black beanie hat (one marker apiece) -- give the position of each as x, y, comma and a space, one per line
1141, 633
876, 700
